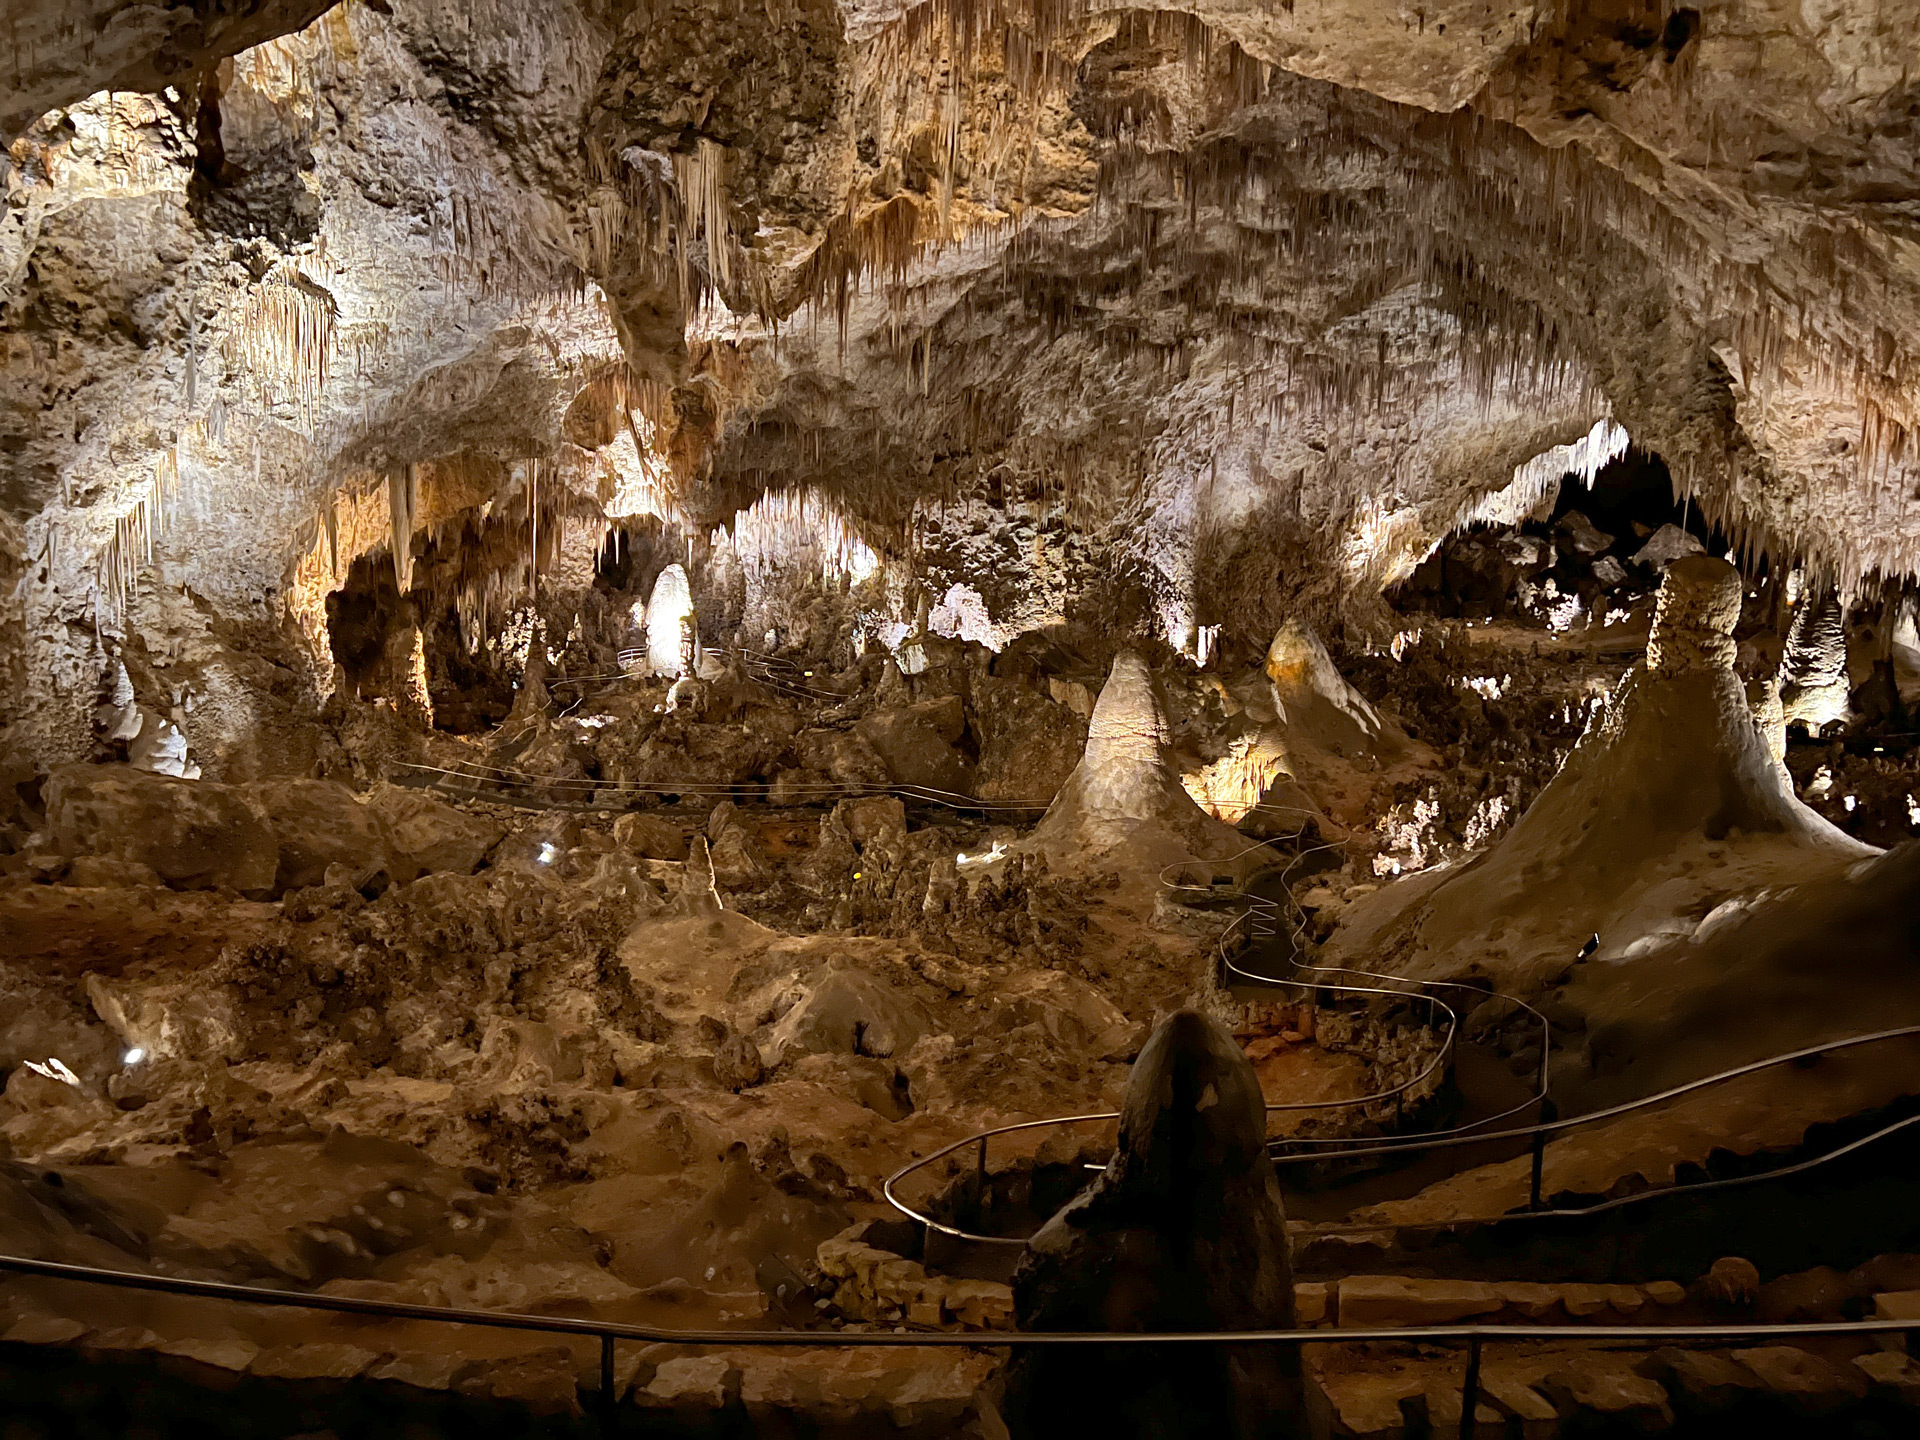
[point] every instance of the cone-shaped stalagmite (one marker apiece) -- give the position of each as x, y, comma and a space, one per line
1184, 1230
1313, 700
1670, 800
1124, 793
1813, 670
670, 624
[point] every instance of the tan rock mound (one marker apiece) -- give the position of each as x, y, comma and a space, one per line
1670, 803
196, 835
1124, 800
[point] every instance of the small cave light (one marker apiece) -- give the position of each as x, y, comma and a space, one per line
548, 851
133, 1056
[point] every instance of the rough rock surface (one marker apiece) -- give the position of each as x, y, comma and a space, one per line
428, 837
1182, 1231
192, 833
320, 824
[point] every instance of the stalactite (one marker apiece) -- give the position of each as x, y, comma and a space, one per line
135, 534
402, 493
285, 338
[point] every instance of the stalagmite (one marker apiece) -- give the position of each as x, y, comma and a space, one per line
1313, 700
946, 348
1183, 1230
408, 656
1672, 789
671, 634
1813, 670
1124, 795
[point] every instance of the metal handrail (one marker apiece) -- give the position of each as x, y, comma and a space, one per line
480, 774
1266, 909
610, 1332
1420, 1144
1416, 1145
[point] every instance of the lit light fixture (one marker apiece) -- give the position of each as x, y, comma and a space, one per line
133, 1056
547, 852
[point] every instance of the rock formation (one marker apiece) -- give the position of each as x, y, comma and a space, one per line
1124, 795
1813, 681
1183, 1230
1669, 801
556, 563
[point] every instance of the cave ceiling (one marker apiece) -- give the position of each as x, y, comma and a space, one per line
1205, 315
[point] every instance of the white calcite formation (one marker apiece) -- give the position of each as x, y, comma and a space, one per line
1813, 682
1124, 794
1671, 800
670, 624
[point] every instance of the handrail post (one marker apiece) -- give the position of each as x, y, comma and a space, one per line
608, 1401
980, 1183
1549, 1112
1470, 1388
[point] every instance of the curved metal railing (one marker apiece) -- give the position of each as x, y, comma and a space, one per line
609, 1333
1258, 921
1366, 1146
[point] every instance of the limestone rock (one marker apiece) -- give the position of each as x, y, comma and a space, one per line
737, 1064
321, 823
109, 871
1183, 1230
1619, 1396
875, 820
1694, 619
650, 837
844, 756
693, 1382
1733, 1280
1609, 572
1668, 544
427, 837
1892, 1374
1810, 1385
1581, 535
1029, 744
912, 742
739, 859
322, 1361
1699, 1380
1385, 1301
193, 833
847, 1011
